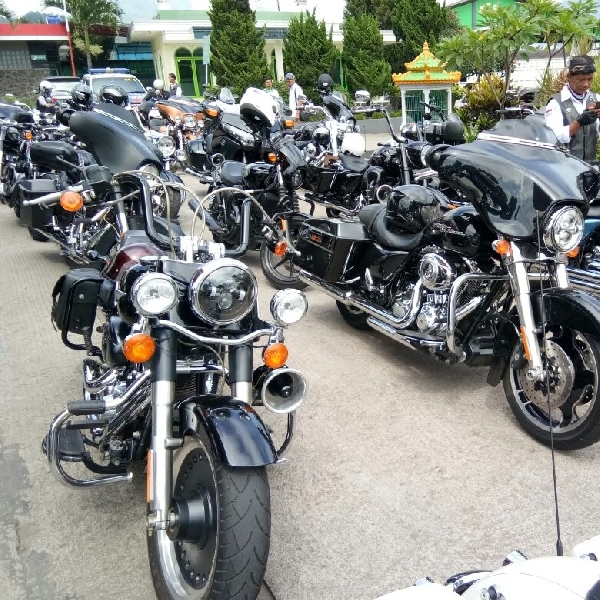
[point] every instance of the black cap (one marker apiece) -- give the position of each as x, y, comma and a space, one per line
581, 65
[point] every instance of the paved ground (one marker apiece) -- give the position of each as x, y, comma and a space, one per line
401, 466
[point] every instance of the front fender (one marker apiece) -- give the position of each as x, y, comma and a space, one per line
237, 434
562, 306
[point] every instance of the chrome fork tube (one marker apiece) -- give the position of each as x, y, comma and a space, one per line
561, 275
519, 281
163, 367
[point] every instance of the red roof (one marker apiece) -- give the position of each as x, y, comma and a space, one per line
33, 31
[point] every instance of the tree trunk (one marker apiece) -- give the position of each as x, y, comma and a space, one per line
88, 56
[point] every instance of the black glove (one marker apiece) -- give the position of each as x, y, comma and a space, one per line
587, 117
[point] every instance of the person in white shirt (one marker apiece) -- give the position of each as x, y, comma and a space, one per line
573, 114
174, 88
270, 89
295, 103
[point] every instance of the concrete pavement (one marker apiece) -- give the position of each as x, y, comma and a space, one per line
401, 466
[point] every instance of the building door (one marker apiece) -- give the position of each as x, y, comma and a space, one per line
191, 72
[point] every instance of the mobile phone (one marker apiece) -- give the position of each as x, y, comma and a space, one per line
597, 104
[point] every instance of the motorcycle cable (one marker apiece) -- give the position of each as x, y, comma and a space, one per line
559, 544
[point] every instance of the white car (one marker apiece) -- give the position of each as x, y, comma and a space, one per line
98, 78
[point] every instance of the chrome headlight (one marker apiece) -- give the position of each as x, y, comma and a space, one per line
154, 294
166, 145
223, 291
189, 121
563, 229
288, 306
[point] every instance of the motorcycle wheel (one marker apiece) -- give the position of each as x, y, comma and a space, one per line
174, 197
353, 316
573, 361
281, 272
232, 556
36, 235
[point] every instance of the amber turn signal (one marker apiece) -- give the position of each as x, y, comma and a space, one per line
275, 355
71, 201
502, 247
139, 348
573, 253
272, 157
280, 248
289, 124
211, 112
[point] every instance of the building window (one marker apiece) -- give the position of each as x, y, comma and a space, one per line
200, 32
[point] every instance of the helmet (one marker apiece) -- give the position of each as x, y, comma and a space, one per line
158, 84
325, 83
113, 94
82, 95
353, 143
46, 86
259, 106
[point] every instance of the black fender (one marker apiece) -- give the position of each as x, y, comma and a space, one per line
562, 306
237, 434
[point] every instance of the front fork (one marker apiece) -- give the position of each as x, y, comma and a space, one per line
519, 280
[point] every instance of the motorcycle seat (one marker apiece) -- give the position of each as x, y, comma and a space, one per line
354, 163
373, 218
231, 172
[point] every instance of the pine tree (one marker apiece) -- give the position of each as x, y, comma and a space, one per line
308, 50
366, 67
237, 46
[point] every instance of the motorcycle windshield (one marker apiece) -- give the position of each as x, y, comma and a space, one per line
513, 181
292, 154
337, 107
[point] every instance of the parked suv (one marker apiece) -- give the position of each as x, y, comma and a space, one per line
97, 78
62, 86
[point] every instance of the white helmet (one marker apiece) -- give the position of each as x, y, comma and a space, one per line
259, 106
353, 143
46, 86
158, 84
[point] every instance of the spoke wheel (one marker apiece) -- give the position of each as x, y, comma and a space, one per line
281, 271
572, 407
228, 556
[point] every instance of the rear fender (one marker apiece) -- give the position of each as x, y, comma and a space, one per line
562, 306
237, 434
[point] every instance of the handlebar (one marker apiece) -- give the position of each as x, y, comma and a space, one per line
53, 197
433, 108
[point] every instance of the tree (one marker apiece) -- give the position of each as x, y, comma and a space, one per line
4, 12
237, 47
366, 67
308, 51
85, 15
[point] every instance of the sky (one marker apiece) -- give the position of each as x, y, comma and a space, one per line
134, 9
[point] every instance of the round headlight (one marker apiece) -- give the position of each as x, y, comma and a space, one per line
166, 145
288, 306
564, 229
223, 291
189, 121
154, 294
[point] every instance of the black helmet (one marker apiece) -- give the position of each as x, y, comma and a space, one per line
325, 83
82, 95
113, 94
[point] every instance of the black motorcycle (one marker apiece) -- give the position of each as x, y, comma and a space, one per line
485, 283
173, 385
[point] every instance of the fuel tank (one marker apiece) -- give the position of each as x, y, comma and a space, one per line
134, 246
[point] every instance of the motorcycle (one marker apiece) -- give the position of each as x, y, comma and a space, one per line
173, 386
485, 283
86, 209
575, 577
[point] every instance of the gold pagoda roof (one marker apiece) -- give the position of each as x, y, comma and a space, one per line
426, 69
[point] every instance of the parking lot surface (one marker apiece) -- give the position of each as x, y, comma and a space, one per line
401, 466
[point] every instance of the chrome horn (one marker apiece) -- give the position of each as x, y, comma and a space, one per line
283, 390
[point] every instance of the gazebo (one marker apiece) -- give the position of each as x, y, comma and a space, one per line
425, 81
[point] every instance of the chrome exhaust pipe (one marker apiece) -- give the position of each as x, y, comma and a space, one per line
283, 390
585, 281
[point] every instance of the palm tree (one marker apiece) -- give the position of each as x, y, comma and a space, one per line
4, 12
85, 15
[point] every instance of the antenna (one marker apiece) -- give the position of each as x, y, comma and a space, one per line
545, 388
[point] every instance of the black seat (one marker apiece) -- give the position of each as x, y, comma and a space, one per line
373, 218
231, 172
357, 164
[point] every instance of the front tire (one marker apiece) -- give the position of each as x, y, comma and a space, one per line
573, 360
230, 560
280, 271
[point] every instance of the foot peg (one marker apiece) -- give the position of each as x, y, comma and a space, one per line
70, 445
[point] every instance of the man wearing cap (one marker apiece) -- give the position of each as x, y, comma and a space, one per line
572, 113
295, 92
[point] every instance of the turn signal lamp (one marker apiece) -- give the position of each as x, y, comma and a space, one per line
288, 124
275, 355
139, 348
272, 157
71, 201
280, 248
573, 253
211, 112
502, 247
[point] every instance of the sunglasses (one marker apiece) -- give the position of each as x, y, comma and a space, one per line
582, 70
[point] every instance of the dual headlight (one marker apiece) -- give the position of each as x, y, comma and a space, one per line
563, 229
220, 293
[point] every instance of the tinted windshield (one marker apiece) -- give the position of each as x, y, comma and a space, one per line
127, 84
532, 128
